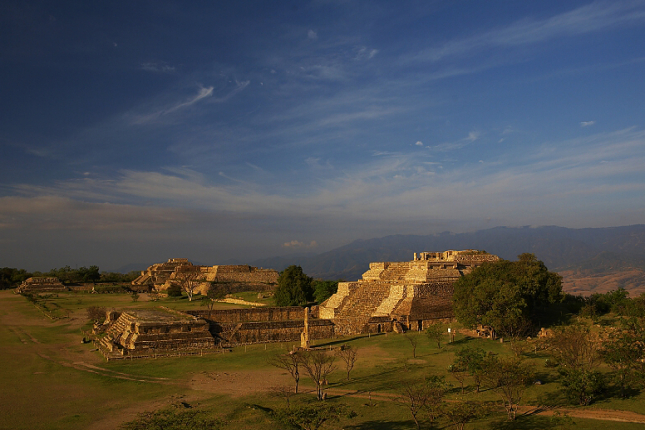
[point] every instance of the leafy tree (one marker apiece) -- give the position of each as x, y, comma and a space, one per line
461, 413
310, 416
435, 332
294, 287
582, 385
324, 289
473, 360
510, 376
216, 291
624, 351
421, 397
506, 295
574, 346
10, 277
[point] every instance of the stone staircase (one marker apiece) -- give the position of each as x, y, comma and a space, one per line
118, 334
352, 317
397, 294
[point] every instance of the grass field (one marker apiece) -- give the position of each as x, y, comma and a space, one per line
50, 380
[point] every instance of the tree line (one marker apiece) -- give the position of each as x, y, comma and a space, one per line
12, 277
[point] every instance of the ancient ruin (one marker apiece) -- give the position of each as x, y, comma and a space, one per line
401, 295
237, 277
151, 332
41, 285
392, 296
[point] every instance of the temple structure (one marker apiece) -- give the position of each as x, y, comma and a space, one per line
239, 277
41, 285
401, 295
391, 296
150, 332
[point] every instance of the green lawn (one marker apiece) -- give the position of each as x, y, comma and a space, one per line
44, 387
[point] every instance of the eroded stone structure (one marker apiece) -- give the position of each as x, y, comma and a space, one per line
401, 295
41, 285
149, 332
239, 277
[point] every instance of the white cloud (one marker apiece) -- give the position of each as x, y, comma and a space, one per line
419, 143
312, 35
587, 123
298, 244
157, 67
473, 136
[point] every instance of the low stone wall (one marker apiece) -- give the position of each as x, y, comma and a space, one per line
272, 331
291, 313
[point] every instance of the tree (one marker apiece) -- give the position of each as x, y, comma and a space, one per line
170, 419
289, 362
189, 284
294, 287
318, 364
458, 371
324, 289
348, 355
624, 351
96, 313
414, 342
506, 295
574, 346
174, 290
215, 292
134, 296
461, 413
435, 333
581, 384
510, 376
421, 397
310, 416
473, 360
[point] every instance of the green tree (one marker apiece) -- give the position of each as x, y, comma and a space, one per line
294, 287
474, 361
435, 333
506, 295
310, 416
624, 351
510, 376
582, 385
172, 419
324, 289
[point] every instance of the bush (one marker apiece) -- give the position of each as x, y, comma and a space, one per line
96, 313
174, 291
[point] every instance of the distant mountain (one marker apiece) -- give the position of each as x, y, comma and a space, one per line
590, 259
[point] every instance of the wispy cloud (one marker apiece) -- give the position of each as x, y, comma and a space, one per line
157, 67
586, 19
587, 123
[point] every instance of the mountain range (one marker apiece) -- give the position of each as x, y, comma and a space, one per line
589, 259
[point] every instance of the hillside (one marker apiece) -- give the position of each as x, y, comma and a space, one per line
590, 259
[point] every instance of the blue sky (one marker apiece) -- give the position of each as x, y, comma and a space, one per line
140, 131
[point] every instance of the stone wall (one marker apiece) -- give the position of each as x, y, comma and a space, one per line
290, 313
272, 331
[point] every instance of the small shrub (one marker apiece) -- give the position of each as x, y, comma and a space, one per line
174, 291
96, 313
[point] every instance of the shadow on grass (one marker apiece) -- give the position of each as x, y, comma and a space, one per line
344, 341
382, 425
531, 422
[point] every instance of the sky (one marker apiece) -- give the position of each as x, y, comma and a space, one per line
139, 131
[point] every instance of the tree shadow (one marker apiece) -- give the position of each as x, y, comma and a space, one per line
530, 422
346, 340
382, 425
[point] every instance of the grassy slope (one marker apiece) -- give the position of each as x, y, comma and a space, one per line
42, 390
